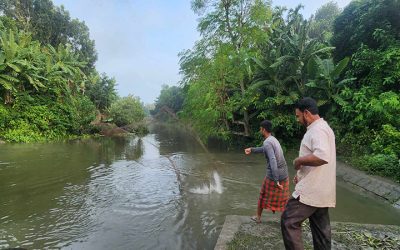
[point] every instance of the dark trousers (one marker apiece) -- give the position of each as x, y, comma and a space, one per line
295, 213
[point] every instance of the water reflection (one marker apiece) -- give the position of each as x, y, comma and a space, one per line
118, 148
173, 139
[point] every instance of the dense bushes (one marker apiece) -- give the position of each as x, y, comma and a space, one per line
382, 164
126, 110
26, 121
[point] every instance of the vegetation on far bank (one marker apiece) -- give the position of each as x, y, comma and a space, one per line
49, 87
254, 62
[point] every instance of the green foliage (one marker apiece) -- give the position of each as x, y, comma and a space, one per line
383, 74
126, 110
202, 111
36, 119
381, 164
358, 22
42, 88
101, 90
286, 126
171, 97
387, 141
322, 24
241, 72
30, 123
85, 112
4, 116
27, 66
47, 78
373, 100
254, 62
369, 32
325, 83
53, 26
232, 32
22, 131
352, 144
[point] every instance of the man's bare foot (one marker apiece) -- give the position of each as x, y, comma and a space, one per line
256, 219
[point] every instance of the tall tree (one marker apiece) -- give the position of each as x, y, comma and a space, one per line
358, 22
127, 110
323, 20
282, 73
171, 97
231, 31
101, 90
52, 25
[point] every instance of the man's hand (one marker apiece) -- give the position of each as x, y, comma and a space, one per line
247, 151
297, 164
308, 160
295, 180
280, 187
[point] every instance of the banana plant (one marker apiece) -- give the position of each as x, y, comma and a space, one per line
325, 84
18, 61
63, 71
282, 72
296, 50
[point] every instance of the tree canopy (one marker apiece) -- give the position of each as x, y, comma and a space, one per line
51, 25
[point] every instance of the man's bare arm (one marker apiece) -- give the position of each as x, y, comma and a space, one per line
308, 160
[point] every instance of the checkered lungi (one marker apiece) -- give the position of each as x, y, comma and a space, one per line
271, 197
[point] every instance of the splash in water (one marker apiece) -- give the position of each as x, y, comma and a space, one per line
214, 186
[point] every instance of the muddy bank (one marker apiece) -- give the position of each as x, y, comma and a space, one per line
383, 188
239, 232
110, 129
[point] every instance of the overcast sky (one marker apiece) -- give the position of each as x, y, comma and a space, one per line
138, 41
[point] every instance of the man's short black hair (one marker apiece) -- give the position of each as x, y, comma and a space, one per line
267, 125
309, 104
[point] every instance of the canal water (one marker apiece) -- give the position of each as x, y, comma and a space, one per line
161, 191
